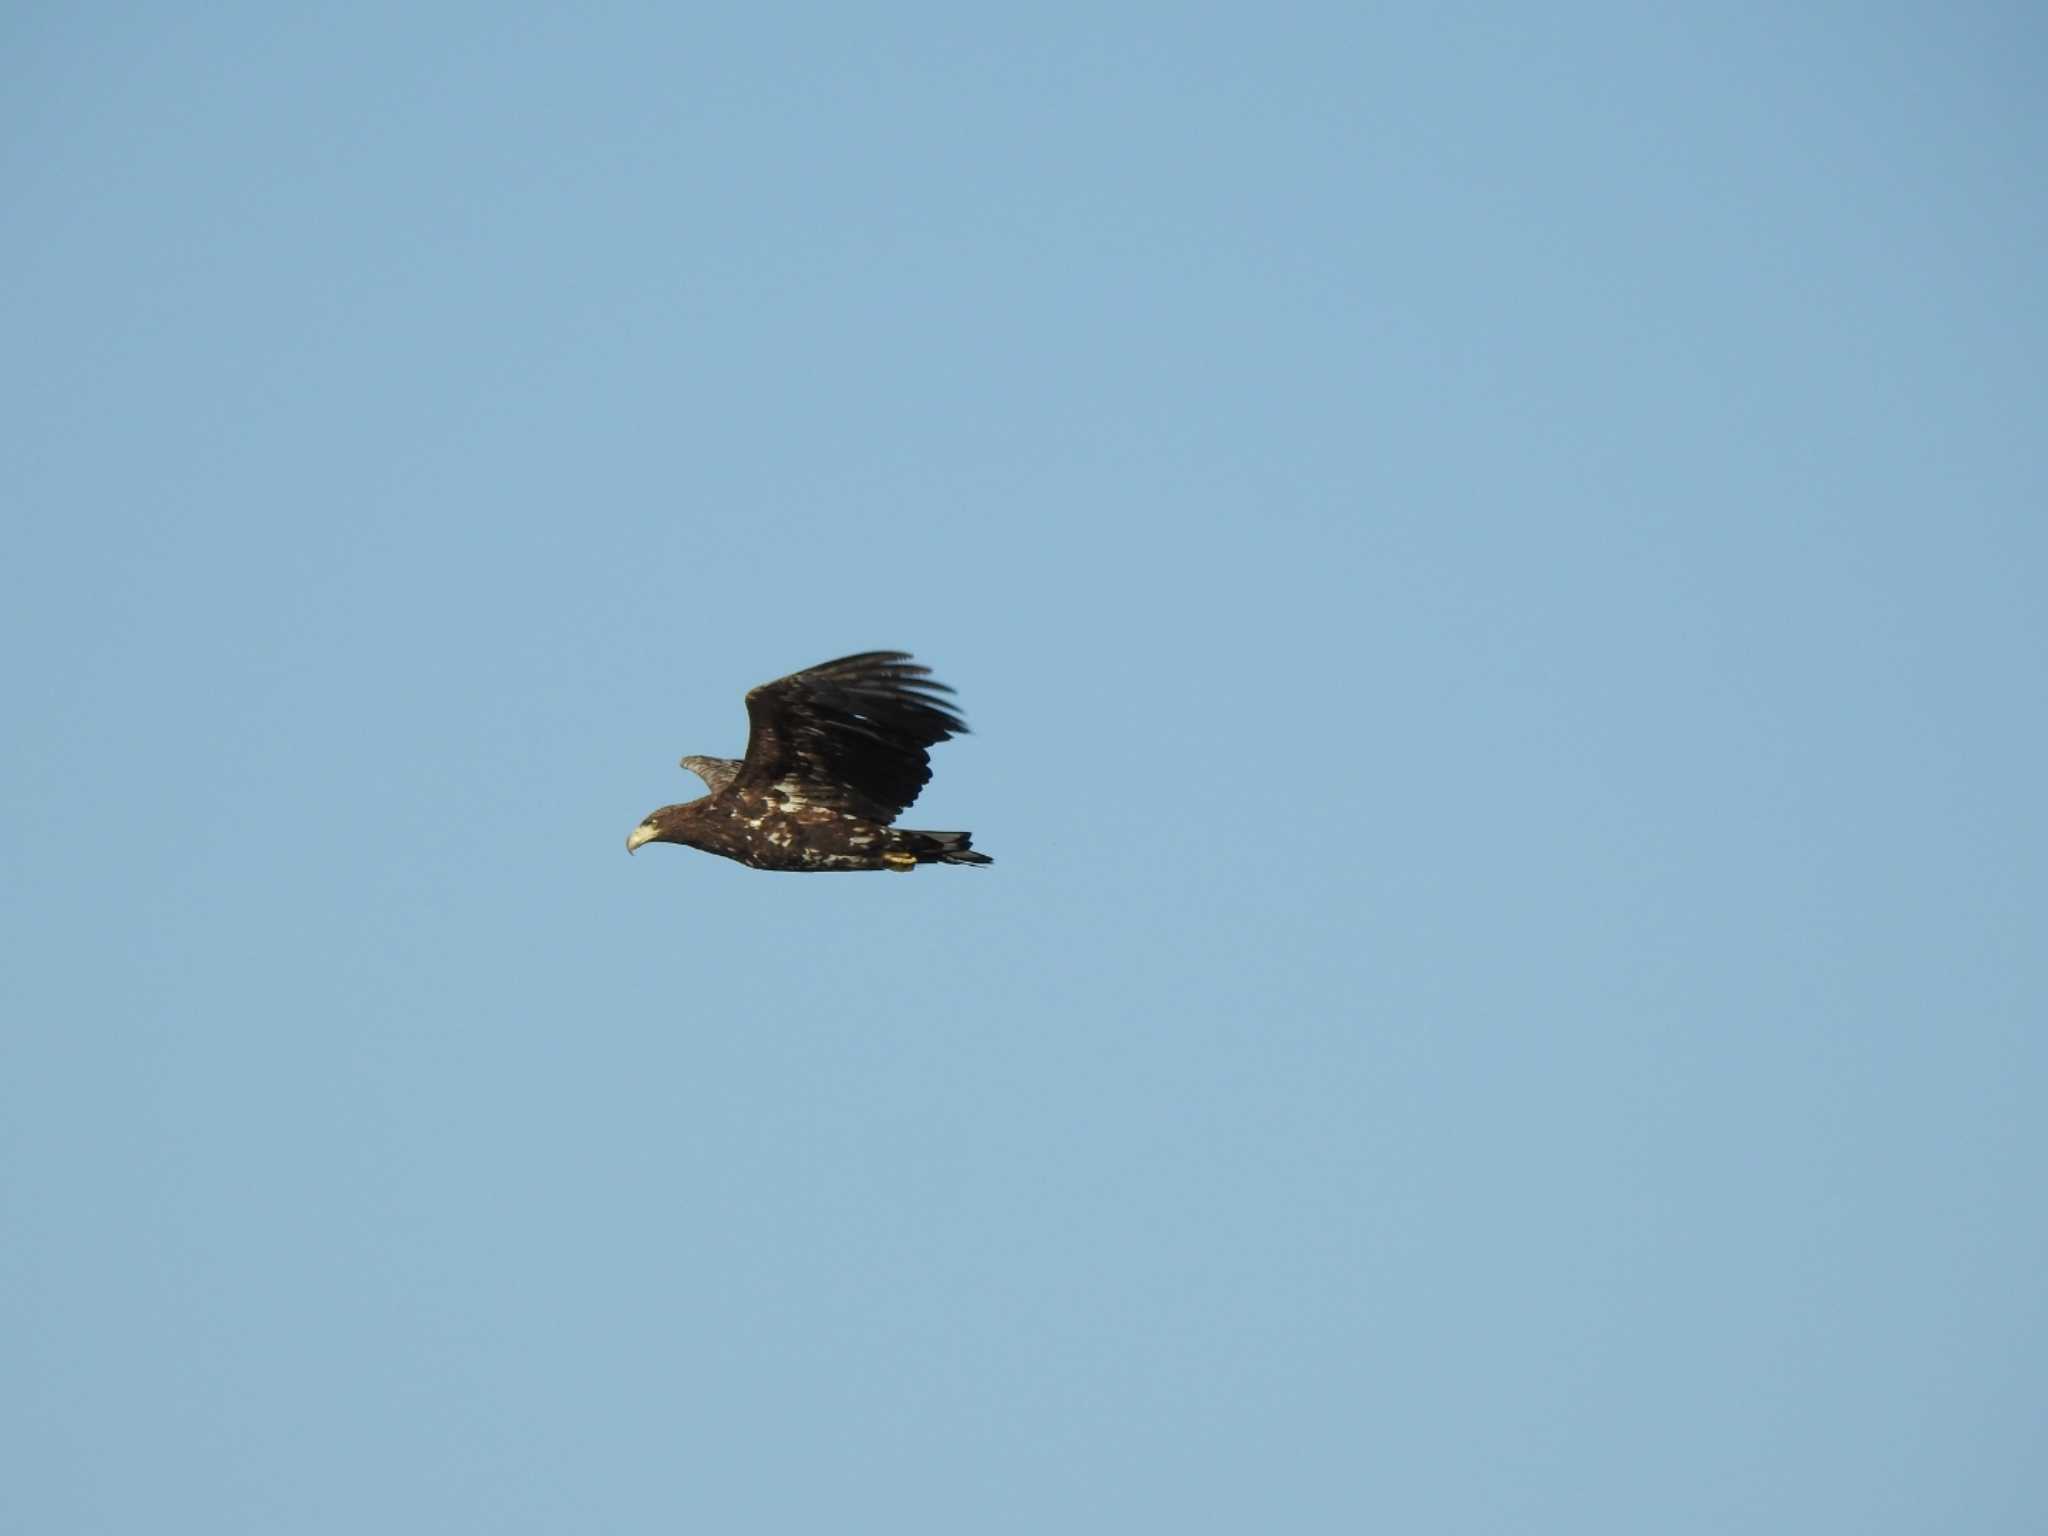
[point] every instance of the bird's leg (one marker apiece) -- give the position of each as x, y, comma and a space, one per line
902, 863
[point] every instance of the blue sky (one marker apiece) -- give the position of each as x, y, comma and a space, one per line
1495, 564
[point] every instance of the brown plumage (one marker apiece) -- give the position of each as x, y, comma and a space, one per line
834, 754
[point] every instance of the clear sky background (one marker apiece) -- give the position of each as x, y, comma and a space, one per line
1496, 563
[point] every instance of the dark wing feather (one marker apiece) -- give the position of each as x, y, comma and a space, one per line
850, 734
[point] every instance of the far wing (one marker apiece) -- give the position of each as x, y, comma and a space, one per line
716, 772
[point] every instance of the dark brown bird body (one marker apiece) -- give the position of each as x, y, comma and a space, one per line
835, 753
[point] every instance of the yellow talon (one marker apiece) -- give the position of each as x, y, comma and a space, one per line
902, 863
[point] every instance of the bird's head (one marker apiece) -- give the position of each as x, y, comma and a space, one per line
652, 830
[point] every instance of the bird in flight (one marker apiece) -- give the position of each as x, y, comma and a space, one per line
835, 754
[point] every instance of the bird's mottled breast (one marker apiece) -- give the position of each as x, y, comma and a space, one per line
776, 829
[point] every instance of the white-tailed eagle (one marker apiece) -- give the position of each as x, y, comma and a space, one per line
834, 754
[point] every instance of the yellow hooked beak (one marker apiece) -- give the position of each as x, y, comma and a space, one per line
640, 834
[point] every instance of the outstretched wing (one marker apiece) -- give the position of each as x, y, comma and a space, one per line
850, 734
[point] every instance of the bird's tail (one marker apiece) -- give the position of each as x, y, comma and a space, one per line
939, 847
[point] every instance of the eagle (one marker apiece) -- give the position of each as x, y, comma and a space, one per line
835, 753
